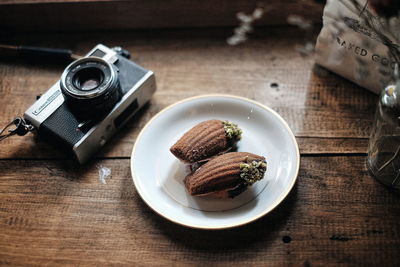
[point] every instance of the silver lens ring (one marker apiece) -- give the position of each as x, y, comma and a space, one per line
90, 87
100, 69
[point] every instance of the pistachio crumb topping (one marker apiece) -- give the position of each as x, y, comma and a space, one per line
232, 130
252, 172
390, 90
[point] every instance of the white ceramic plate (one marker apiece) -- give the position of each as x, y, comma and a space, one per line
158, 175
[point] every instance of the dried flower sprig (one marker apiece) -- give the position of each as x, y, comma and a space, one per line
245, 26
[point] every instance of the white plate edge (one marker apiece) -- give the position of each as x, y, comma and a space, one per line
222, 226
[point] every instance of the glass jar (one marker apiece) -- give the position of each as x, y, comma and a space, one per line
384, 144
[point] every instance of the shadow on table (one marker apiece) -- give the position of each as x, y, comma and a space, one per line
37, 64
265, 229
334, 96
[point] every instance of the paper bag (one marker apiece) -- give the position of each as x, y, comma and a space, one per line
349, 48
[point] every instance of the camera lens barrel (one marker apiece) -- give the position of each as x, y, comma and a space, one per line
91, 87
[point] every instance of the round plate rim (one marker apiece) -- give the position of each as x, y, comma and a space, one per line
222, 226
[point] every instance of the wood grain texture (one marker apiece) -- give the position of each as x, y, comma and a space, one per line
72, 15
324, 146
326, 113
54, 212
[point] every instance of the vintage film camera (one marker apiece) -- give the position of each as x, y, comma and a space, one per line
94, 98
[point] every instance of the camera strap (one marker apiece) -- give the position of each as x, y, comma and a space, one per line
20, 127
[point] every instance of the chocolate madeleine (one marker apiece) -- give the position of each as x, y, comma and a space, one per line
227, 175
205, 140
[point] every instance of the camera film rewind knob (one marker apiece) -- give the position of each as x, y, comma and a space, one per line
122, 52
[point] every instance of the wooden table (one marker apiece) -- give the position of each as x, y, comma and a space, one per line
53, 211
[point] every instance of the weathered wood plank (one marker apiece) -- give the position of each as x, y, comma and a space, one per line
187, 63
311, 145
54, 212
122, 144
72, 15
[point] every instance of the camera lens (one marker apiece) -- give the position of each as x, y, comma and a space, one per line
88, 79
90, 87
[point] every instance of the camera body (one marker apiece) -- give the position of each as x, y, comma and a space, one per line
95, 97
